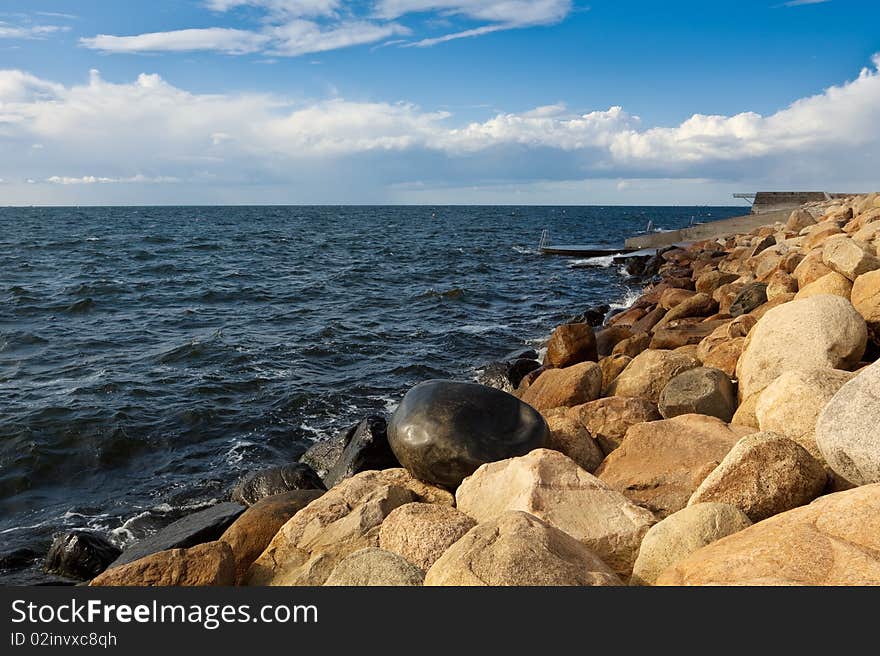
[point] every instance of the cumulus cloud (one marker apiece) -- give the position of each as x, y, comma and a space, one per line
149, 131
297, 27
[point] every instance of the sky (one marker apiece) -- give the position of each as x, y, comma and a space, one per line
595, 102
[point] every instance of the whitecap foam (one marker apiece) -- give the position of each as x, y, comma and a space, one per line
601, 261
629, 297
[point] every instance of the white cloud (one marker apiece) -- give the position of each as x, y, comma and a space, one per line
149, 131
8, 31
296, 27
220, 39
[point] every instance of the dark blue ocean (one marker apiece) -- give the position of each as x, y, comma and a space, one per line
149, 356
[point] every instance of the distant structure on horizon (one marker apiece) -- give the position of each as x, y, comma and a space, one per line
774, 201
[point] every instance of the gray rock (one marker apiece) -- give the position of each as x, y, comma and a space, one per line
444, 430
750, 297
847, 430
203, 526
702, 391
267, 482
80, 555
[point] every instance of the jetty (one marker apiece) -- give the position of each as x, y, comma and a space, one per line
580, 250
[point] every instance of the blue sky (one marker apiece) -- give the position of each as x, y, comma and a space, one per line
435, 101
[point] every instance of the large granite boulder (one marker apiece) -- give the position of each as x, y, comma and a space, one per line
611, 368
703, 391
660, 464
822, 331
847, 431
573, 385
443, 430
799, 219
833, 541
422, 532
375, 567
518, 549
649, 372
552, 487
849, 257
791, 404
683, 533
80, 555
345, 519
763, 475
831, 283
197, 528
866, 300
608, 419
264, 483
571, 343
211, 563
251, 533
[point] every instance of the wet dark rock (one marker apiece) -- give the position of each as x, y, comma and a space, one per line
518, 369
528, 354
197, 528
80, 555
366, 448
751, 297
264, 483
18, 558
321, 456
444, 430
593, 315
506, 376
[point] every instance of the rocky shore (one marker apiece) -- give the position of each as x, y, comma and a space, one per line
722, 430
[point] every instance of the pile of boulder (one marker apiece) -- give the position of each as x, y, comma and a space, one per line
720, 431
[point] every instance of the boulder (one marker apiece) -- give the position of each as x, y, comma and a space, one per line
674, 296
821, 331
251, 533
763, 475
649, 320
307, 548
443, 430
422, 532
781, 283
791, 404
570, 437
684, 332
593, 315
570, 344
750, 297
555, 388
698, 305
608, 338
552, 487
723, 347
611, 367
833, 541
709, 281
799, 220
830, 283
80, 555
847, 430
608, 419
264, 483
632, 346
703, 391
819, 234
518, 549
866, 300
211, 563
197, 528
683, 533
519, 369
649, 372
366, 449
849, 257
810, 268
375, 567
660, 464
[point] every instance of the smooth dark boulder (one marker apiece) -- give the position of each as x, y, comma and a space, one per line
80, 555
321, 456
264, 483
367, 448
203, 526
444, 430
751, 297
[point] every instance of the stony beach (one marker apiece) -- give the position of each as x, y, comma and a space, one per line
722, 430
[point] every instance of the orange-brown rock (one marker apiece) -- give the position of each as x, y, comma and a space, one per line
609, 419
211, 563
649, 372
607, 338
611, 368
570, 344
570, 386
632, 346
660, 464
